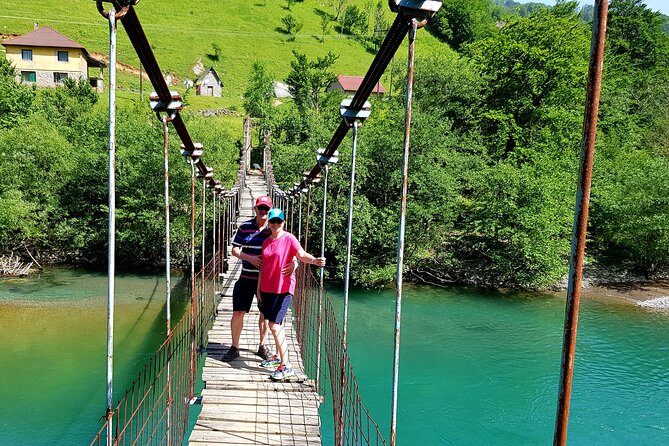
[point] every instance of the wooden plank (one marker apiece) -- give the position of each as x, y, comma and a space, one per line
268, 428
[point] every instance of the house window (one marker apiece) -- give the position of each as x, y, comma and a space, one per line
27, 54
58, 78
28, 76
63, 56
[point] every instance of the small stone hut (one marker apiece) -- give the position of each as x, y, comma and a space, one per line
209, 84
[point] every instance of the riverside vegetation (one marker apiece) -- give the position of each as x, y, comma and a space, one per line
495, 146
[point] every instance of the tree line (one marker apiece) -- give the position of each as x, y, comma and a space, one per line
53, 176
496, 138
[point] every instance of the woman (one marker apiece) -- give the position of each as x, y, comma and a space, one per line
276, 289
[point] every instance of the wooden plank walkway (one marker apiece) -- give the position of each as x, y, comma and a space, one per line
240, 404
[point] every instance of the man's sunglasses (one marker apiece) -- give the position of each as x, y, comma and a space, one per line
276, 221
263, 208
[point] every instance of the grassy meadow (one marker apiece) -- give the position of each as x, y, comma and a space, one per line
226, 34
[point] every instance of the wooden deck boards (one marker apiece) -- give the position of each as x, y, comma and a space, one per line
241, 405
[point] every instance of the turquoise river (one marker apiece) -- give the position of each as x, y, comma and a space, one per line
477, 368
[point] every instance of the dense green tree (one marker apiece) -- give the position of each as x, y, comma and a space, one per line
631, 211
355, 21
535, 71
634, 34
463, 21
35, 161
380, 24
259, 94
16, 100
292, 25
308, 80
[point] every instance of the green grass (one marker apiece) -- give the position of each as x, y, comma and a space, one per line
181, 32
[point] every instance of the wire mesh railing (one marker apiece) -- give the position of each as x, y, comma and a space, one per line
314, 313
154, 409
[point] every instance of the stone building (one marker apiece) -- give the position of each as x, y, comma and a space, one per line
209, 84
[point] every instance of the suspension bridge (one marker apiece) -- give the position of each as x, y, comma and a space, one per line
240, 405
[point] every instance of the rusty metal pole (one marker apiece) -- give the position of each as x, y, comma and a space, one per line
400, 241
168, 278
193, 292
111, 262
299, 219
213, 239
202, 279
580, 220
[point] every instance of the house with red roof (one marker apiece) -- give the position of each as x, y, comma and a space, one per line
350, 84
45, 58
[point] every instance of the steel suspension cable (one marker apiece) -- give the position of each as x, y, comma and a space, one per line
322, 274
299, 220
349, 231
202, 265
306, 223
400, 237
168, 272
213, 238
393, 40
193, 299
111, 261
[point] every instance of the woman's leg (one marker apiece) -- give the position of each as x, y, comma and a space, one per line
280, 341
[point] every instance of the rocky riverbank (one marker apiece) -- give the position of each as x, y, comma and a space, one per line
623, 286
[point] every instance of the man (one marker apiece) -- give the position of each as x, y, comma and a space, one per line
247, 247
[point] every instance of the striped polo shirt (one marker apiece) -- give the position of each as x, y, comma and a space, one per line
250, 239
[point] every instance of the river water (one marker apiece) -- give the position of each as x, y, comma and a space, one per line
482, 368
476, 368
53, 348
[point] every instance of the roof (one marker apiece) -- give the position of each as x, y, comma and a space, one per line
352, 83
50, 38
207, 71
43, 37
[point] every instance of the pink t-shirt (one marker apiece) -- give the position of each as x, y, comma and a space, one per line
276, 254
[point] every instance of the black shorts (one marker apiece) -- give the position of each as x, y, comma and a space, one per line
274, 306
242, 294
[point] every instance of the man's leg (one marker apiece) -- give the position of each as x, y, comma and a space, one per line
242, 295
236, 326
262, 325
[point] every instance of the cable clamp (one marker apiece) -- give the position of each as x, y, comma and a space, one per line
119, 14
208, 175
351, 115
420, 9
195, 153
324, 159
171, 108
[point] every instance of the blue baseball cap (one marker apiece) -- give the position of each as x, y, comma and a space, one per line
276, 213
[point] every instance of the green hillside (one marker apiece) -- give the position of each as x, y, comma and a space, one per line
226, 34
